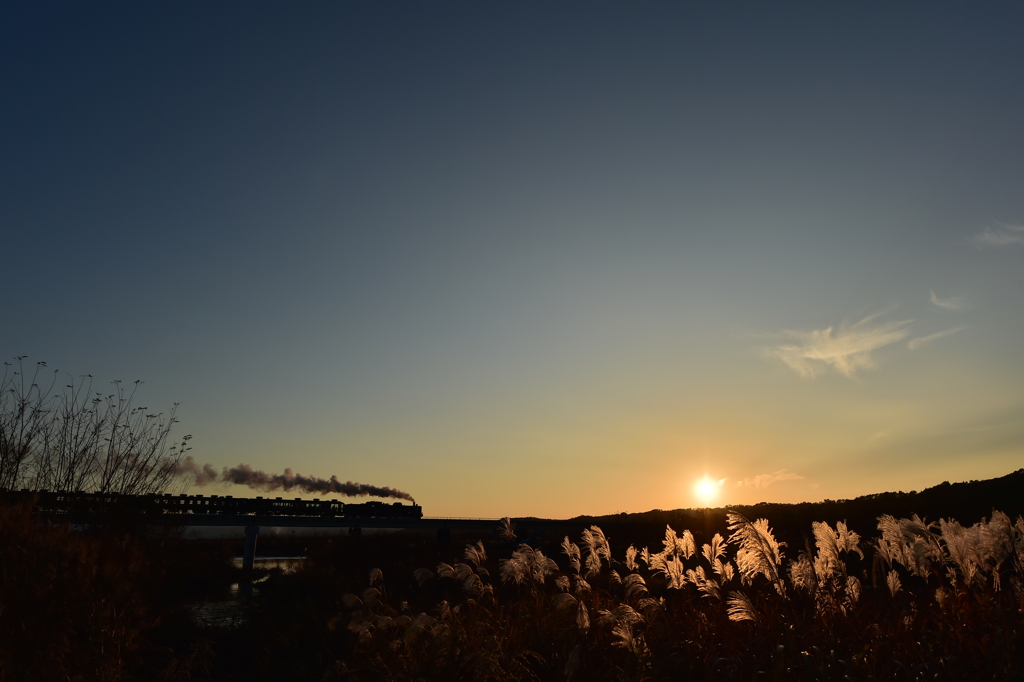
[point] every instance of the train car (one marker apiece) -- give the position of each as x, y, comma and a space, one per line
81, 503
381, 510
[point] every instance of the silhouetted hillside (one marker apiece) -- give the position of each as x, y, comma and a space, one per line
966, 502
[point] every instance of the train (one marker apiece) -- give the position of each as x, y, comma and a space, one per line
76, 503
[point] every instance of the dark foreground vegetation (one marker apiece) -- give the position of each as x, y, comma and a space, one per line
897, 598
104, 604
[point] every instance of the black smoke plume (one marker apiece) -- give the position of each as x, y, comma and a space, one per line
203, 475
243, 474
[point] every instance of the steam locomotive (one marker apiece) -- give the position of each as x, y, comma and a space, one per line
105, 503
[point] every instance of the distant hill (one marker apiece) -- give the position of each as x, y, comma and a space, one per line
966, 502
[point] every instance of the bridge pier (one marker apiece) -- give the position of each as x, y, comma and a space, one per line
249, 554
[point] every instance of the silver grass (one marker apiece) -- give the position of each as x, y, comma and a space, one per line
674, 572
371, 596
351, 602
562, 583
998, 541
564, 600
581, 586
582, 617
631, 564
476, 554
890, 544
714, 551
511, 570
645, 556
616, 578
1017, 533
677, 546
593, 565
635, 586
709, 587
507, 529
462, 571
922, 556
376, 576
924, 544
909, 542
623, 613
886, 551
802, 574
597, 549
853, 590
473, 585
650, 608
363, 630
893, 581
951, 576
847, 540
525, 564
445, 571
962, 545
827, 558
830, 544
604, 549
422, 576
740, 608
622, 635
625, 637
573, 552
420, 625
759, 553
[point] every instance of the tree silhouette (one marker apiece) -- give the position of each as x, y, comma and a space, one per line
78, 439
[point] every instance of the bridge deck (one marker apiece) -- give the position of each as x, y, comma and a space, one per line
274, 521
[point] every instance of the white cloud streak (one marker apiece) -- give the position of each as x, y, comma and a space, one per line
914, 344
764, 480
954, 303
1003, 235
845, 350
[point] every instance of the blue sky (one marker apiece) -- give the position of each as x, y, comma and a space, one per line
524, 259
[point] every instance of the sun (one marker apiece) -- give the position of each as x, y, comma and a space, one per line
706, 490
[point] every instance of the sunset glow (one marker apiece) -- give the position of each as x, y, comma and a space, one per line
706, 490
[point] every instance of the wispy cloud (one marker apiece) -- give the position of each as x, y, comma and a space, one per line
954, 303
846, 350
765, 480
1002, 235
914, 344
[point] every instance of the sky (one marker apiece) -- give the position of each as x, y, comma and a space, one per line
541, 259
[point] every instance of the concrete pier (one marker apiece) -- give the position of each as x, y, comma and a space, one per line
249, 553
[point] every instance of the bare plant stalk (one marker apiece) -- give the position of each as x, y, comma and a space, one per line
79, 440
25, 420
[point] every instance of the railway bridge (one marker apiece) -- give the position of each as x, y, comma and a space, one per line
252, 514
